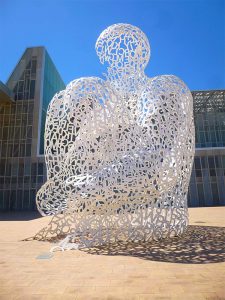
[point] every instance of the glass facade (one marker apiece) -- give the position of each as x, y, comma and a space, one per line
25, 87
22, 169
209, 108
52, 84
207, 184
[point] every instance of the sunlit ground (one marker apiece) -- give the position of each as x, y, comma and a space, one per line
190, 267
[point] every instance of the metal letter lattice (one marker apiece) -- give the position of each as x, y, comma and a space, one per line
119, 151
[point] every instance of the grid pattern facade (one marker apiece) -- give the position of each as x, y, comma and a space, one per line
209, 110
22, 169
20, 180
16, 119
207, 184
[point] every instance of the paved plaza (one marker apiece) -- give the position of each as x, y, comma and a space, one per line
192, 267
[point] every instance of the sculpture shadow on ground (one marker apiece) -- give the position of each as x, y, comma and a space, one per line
199, 245
19, 215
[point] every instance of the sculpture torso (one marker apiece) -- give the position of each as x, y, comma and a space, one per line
121, 150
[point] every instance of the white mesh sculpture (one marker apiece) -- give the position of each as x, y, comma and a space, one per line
119, 151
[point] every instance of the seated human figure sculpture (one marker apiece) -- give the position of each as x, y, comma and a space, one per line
119, 151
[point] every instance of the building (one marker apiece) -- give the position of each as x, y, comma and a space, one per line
207, 185
23, 104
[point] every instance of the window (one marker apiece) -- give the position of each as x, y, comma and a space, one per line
204, 162
4, 149
198, 173
32, 89
25, 108
201, 196
13, 200
23, 133
197, 163
33, 67
11, 133
16, 133
10, 150
26, 179
1, 182
19, 199
21, 169
211, 162
14, 169
223, 161
26, 199
29, 132
2, 167
1, 199
40, 168
34, 169
217, 161
22, 150
19, 109
31, 108
16, 150
28, 149
40, 179
212, 172
215, 193
32, 198
7, 109
20, 86
8, 169
5, 133
27, 166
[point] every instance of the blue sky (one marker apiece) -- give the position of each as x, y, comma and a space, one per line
187, 38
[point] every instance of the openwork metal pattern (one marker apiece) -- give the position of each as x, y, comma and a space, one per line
119, 151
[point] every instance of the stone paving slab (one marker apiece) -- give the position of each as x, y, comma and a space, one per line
192, 267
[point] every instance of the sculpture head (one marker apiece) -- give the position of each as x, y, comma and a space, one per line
124, 47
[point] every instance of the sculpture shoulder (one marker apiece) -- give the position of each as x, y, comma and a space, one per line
166, 84
56, 106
